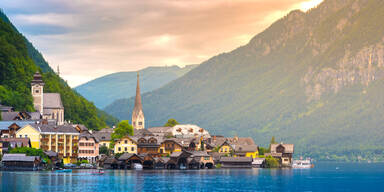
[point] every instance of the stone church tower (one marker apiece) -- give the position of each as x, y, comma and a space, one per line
138, 121
37, 87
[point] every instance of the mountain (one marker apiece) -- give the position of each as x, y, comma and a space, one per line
314, 79
19, 60
104, 90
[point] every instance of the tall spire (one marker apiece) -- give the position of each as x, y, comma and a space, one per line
58, 70
138, 121
138, 105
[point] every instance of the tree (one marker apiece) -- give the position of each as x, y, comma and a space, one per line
171, 123
263, 150
273, 140
123, 129
104, 150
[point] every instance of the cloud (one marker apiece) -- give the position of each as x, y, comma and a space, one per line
90, 38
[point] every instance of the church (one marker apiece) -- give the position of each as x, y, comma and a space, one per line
49, 105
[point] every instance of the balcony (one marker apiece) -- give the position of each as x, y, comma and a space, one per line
61, 147
45, 148
75, 140
169, 148
45, 140
75, 148
61, 140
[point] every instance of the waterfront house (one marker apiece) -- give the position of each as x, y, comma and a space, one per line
109, 163
88, 147
62, 139
203, 159
104, 136
283, 152
127, 160
258, 162
236, 162
20, 162
246, 151
126, 145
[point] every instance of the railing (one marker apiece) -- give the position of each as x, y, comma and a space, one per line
44, 139
75, 140
61, 147
61, 140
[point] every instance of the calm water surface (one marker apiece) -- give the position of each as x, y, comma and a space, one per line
324, 177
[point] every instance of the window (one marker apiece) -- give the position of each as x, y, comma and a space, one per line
37, 91
206, 158
20, 136
104, 144
119, 149
125, 148
133, 149
140, 123
285, 159
125, 141
102, 137
26, 136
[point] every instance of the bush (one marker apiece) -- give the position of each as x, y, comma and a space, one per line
271, 162
218, 166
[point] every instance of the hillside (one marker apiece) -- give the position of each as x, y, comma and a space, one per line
314, 79
104, 90
19, 60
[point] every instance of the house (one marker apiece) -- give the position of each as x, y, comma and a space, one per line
109, 163
225, 148
20, 162
104, 136
236, 162
169, 146
49, 105
88, 147
203, 159
246, 151
126, 145
149, 145
127, 160
7, 143
9, 128
283, 152
62, 139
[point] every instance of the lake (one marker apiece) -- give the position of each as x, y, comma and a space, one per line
324, 177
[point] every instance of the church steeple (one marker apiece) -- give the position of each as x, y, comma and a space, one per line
137, 114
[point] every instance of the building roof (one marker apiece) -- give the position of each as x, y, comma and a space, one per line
245, 148
142, 132
16, 115
236, 159
110, 160
37, 78
5, 124
19, 157
199, 153
102, 136
16, 142
52, 101
44, 128
288, 148
160, 129
88, 136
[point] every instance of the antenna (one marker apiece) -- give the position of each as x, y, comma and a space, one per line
58, 70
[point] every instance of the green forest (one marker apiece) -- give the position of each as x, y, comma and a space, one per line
19, 60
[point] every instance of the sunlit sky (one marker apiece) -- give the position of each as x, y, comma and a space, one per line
89, 38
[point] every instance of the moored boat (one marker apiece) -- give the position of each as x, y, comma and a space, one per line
302, 164
64, 170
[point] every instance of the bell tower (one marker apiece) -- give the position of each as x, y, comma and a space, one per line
138, 121
37, 88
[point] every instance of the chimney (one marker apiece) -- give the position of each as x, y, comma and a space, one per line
214, 138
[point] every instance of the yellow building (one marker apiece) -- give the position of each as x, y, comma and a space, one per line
169, 146
125, 145
225, 148
246, 151
62, 139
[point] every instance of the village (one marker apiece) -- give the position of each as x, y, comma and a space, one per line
44, 140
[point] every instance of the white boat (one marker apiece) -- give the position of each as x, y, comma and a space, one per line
302, 164
137, 166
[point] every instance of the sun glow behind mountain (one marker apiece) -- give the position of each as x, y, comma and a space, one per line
307, 5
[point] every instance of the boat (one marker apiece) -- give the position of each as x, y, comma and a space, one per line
302, 164
63, 170
137, 166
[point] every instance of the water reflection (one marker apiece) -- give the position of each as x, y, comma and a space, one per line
355, 177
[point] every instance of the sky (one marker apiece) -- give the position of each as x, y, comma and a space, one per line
92, 38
